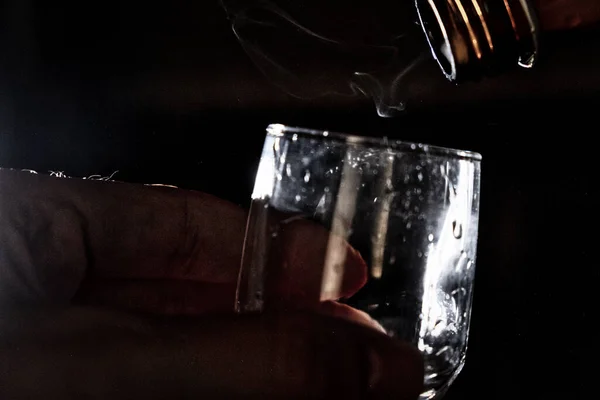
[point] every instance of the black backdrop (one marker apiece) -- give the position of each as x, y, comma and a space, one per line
165, 94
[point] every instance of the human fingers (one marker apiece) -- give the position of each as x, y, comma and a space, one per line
90, 353
152, 248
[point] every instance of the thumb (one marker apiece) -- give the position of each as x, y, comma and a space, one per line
95, 354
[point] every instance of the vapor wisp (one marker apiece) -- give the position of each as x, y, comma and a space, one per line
307, 63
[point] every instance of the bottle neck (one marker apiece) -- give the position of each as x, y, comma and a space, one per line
475, 38
471, 39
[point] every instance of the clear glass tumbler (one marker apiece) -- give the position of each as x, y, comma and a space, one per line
410, 210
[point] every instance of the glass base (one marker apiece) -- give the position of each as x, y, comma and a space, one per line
439, 392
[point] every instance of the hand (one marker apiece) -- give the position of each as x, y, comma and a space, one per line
77, 258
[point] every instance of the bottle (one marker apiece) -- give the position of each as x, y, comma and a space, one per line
377, 49
475, 38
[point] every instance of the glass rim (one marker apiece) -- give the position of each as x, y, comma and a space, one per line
399, 145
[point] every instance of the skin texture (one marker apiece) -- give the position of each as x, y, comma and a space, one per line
113, 290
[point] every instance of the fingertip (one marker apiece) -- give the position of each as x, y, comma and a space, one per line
345, 312
396, 370
296, 273
354, 361
355, 273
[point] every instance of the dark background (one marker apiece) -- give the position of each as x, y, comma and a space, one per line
166, 94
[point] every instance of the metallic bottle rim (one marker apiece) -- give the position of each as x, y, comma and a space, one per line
475, 38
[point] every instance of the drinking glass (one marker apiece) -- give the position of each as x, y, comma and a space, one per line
410, 210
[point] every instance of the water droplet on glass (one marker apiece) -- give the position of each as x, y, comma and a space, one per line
307, 176
469, 264
295, 137
408, 225
416, 208
326, 133
279, 176
407, 204
419, 254
298, 197
288, 170
413, 146
463, 261
375, 199
418, 167
392, 259
457, 229
430, 237
326, 189
420, 177
305, 160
